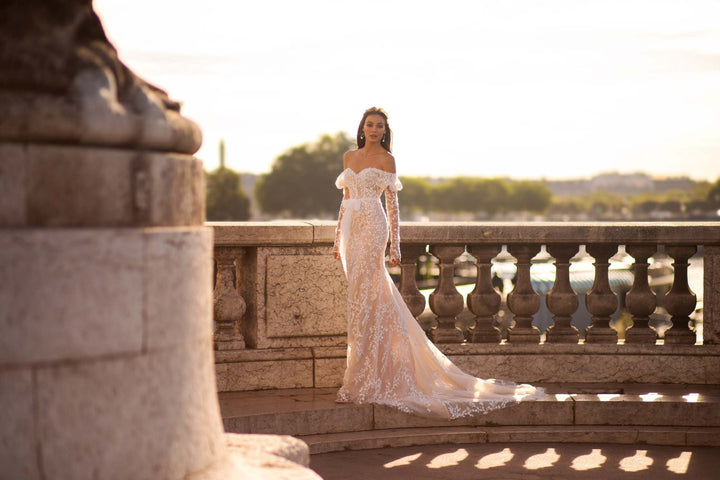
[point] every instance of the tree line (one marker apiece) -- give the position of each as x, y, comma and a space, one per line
300, 184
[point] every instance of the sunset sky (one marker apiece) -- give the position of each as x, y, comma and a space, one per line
518, 88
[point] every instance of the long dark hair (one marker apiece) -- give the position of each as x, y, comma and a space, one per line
386, 141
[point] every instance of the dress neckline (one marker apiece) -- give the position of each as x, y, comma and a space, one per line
368, 168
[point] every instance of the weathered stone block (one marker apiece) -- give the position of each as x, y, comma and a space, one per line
284, 446
329, 372
534, 412
667, 436
709, 437
18, 456
262, 375
178, 270
309, 422
177, 186
152, 416
711, 295
72, 186
304, 296
556, 363
70, 294
13, 184
634, 411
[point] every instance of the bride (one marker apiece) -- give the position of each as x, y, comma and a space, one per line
390, 360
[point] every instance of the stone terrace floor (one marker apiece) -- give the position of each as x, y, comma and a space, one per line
578, 431
525, 461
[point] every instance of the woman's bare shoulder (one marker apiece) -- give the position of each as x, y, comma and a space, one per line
388, 162
348, 156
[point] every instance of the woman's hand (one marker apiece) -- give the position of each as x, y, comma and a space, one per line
394, 261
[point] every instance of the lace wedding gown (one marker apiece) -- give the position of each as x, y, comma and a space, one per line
390, 360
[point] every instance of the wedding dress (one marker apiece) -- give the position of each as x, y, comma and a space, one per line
390, 360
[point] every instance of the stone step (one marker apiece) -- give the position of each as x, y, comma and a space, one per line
407, 437
616, 409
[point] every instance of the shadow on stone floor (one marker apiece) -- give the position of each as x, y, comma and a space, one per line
525, 461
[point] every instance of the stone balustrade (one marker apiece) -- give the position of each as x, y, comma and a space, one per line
293, 292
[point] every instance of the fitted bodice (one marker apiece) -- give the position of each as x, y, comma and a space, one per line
367, 183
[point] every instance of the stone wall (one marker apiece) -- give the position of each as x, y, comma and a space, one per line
295, 327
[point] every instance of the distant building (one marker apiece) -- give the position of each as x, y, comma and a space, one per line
619, 183
622, 183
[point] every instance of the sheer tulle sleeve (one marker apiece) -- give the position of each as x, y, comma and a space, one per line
339, 183
393, 212
336, 245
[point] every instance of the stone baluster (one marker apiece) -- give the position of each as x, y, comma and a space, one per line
680, 301
601, 301
228, 304
408, 286
445, 301
562, 300
640, 300
484, 300
523, 301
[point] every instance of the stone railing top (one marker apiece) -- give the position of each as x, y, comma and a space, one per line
316, 232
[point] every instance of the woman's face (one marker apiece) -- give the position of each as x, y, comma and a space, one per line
374, 128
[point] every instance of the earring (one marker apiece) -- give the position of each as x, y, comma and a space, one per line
362, 136
383, 139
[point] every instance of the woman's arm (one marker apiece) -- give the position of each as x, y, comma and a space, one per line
393, 211
391, 202
346, 194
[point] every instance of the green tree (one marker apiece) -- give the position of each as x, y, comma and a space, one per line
529, 196
454, 195
416, 195
713, 195
301, 181
490, 195
225, 199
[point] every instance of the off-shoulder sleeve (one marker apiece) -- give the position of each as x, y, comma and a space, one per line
394, 182
340, 181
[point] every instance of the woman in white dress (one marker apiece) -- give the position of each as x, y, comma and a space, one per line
390, 360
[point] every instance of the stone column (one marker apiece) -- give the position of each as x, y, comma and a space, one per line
106, 356
445, 301
228, 304
601, 301
640, 300
680, 301
484, 300
562, 300
408, 286
523, 301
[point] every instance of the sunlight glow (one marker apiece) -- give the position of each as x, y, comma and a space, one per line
650, 397
494, 460
563, 396
592, 460
638, 462
692, 397
542, 460
449, 459
524, 89
606, 397
679, 464
401, 462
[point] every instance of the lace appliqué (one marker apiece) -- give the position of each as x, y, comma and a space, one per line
390, 360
